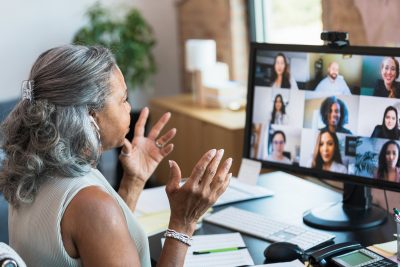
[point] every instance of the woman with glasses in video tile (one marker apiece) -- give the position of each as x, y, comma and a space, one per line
387, 86
278, 141
281, 77
334, 114
389, 162
327, 154
389, 128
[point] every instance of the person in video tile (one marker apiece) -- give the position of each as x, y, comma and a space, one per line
327, 154
389, 162
281, 77
333, 83
389, 128
387, 86
278, 141
334, 114
278, 114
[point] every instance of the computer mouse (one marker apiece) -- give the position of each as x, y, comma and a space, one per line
282, 251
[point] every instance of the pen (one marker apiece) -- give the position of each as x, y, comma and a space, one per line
217, 250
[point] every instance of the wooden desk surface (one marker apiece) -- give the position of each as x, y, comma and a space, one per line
293, 196
233, 120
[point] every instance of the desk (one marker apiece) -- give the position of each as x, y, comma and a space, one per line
198, 130
292, 197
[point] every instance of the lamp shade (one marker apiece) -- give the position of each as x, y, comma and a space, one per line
200, 54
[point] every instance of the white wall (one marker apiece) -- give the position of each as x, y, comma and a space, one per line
28, 28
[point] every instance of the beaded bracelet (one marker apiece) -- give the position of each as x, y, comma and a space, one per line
179, 236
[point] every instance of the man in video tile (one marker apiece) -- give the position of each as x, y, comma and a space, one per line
333, 83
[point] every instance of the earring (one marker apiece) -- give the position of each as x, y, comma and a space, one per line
95, 126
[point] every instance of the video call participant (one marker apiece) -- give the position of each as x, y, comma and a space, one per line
333, 83
389, 128
389, 162
327, 154
281, 77
278, 141
387, 86
334, 114
278, 114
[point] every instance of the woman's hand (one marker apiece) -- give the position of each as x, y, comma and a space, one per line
204, 186
141, 157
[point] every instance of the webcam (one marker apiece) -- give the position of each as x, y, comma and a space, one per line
335, 39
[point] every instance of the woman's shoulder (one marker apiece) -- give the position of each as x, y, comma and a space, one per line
377, 132
380, 89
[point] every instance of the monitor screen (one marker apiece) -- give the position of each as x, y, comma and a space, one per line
327, 112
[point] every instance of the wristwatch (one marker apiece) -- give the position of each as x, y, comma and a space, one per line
7, 262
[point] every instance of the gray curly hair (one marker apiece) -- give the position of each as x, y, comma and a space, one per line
52, 135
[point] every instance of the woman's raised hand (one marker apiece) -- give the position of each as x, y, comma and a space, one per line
141, 157
204, 186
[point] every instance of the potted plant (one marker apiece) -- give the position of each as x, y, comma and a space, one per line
130, 39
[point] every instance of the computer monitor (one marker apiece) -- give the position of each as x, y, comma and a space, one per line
332, 113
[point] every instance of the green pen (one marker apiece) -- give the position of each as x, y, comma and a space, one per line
217, 250
396, 211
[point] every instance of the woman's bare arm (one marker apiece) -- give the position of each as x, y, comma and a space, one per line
94, 229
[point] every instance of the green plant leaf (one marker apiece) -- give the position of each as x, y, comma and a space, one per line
131, 40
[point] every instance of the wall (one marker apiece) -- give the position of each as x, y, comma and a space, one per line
372, 22
27, 28
224, 21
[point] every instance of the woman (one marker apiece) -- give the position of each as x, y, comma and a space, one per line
326, 153
389, 162
389, 128
334, 115
388, 86
278, 114
281, 77
62, 210
278, 141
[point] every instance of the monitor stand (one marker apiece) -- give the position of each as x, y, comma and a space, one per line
353, 213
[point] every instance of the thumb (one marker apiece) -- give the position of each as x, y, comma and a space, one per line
126, 147
174, 176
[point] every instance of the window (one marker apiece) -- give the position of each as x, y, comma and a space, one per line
286, 21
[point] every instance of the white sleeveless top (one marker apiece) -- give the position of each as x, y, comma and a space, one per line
35, 231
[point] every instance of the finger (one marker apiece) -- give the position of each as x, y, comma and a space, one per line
221, 174
165, 151
126, 148
163, 140
174, 177
212, 169
200, 167
141, 122
157, 128
224, 186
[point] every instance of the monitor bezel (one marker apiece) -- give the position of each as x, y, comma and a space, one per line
355, 50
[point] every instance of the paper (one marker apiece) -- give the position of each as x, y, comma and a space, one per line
238, 191
155, 199
220, 259
154, 223
295, 263
249, 171
389, 247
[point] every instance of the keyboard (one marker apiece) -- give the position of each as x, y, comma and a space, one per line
262, 227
